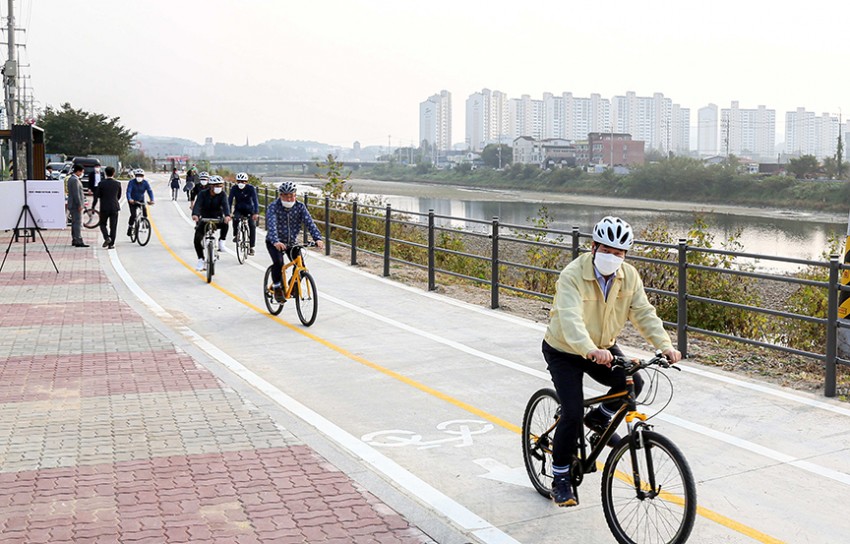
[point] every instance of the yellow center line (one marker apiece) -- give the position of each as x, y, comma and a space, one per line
702, 511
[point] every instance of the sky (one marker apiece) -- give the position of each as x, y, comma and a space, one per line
339, 71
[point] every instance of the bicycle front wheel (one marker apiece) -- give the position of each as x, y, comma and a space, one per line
143, 235
134, 231
306, 299
91, 218
659, 508
241, 243
538, 434
274, 307
210, 260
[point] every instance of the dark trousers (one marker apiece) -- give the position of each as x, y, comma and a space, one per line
200, 229
252, 227
134, 209
567, 371
76, 226
174, 191
277, 260
112, 218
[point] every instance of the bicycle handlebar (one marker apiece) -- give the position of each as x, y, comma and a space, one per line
210, 220
633, 365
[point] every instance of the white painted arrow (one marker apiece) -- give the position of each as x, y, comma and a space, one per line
501, 472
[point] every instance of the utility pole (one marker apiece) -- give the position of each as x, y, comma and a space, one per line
10, 70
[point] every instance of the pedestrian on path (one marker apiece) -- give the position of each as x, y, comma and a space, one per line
175, 184
108, 192
76, 202
191, 179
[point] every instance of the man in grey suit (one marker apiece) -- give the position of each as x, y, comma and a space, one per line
76, 201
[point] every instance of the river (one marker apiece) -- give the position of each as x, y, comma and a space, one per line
782, 233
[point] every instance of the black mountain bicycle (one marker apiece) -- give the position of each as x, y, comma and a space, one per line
648, 490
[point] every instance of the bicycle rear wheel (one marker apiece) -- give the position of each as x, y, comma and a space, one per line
665, 512
143, 235
210, 259
91, 218
306, 299
538, 433
274, 307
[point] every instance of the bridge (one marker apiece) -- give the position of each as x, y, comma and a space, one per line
249, 165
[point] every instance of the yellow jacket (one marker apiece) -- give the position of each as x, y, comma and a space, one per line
581, 320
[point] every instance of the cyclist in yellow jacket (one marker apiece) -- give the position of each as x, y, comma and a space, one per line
595, 295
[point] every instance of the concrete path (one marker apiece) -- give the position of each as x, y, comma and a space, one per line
412, 398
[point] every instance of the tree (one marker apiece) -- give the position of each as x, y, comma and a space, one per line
335, 185
490, 155
75, 132
806, 166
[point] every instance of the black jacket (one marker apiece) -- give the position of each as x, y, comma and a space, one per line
210, 205
108, 192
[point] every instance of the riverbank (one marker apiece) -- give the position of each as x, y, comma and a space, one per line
425, 189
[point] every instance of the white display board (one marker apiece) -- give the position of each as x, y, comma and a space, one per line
46, 200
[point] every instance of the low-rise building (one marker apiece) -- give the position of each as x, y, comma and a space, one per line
611, 149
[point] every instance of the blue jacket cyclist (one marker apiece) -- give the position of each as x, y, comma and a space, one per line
244, 203
284, 218
136, 189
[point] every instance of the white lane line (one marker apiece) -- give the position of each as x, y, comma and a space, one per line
429, 495
693, 427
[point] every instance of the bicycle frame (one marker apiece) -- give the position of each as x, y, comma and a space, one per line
297, 265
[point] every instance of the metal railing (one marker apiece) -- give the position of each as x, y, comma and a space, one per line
419, 240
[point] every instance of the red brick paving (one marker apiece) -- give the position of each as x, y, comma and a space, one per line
245, 496
24, 379
22, 314
63, 277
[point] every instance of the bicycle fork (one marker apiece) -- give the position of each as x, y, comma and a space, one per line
638, 446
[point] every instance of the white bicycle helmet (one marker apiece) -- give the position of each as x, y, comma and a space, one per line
241, 176
614, 232
216, 180
138, 172
286, 188
203, 175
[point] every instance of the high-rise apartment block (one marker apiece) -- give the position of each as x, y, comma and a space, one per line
707, 125
656, 120
810, 134
435, 121
748, 132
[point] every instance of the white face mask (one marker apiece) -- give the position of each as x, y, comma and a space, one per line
287, 204
607, 263
216, 190
240, 185
139, 179
204, 181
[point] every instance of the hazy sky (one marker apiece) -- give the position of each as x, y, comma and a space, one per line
345, 70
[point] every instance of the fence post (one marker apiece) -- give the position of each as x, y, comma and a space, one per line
327, 225
831, 326
266, 207
387, 219
353, 232
494, 265
432, 281
682, 314
304, 227
576, 242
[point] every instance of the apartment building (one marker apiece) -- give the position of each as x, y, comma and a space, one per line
707, 126
435, 121
810, 134
748, 132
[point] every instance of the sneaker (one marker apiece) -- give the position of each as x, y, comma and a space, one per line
221, 245
597, 422
202, 265
562, 491
278, 295
251, 251
130, 231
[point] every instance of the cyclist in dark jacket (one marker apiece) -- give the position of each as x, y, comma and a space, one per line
136, 189
211, 204
244, 203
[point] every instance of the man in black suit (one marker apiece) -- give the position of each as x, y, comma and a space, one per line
108, 191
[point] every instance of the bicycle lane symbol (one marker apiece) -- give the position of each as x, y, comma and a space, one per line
461, 431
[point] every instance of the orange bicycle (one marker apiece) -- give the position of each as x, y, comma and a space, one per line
300, 286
